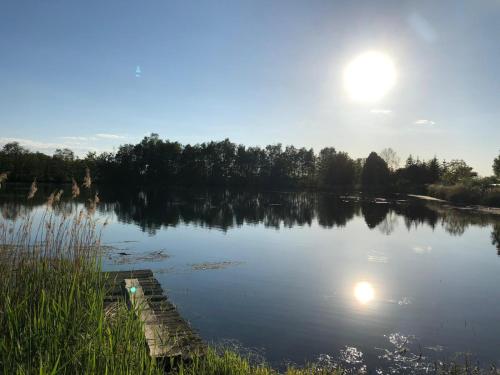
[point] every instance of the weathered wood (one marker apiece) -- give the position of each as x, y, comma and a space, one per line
153, 330
167, 335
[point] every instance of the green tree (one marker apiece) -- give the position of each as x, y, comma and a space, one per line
375, 172
335, 169
64, 154
457, 171
496, 166
14, 149
434, 170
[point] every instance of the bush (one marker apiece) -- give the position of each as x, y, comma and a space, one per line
491, 198
473, 192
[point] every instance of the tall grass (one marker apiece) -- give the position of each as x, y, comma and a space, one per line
52, 318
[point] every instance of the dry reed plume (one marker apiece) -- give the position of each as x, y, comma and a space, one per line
87, 180
58, 195
33, 189
50, 200
75, 190
93, 204
3, 177
54, 197
54, 236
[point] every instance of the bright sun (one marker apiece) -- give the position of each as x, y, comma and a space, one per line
364, 292
369, 77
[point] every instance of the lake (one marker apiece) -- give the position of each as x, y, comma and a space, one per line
389, 284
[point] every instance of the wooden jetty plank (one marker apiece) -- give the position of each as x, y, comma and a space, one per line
167, 334
153, 330
139, 274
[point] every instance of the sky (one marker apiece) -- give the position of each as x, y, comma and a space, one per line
256, 72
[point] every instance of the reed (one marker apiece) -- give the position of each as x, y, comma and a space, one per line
33, 190
87, 180
75, 190
3, 178
52, 319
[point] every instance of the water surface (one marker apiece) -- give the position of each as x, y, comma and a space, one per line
297, 277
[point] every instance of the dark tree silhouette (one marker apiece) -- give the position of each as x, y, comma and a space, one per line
374, 213
375, 172
158, 162
496, 166
335, 169
14, 149
495, 237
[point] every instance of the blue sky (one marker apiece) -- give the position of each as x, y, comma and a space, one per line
257, 72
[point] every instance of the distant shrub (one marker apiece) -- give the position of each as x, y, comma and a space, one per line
472, 192
491, 197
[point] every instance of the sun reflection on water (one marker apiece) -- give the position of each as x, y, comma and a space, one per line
364, 292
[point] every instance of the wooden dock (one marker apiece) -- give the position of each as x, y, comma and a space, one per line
167, 335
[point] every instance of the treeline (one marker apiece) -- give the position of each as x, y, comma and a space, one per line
166, 163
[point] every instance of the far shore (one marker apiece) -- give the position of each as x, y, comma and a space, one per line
473, 208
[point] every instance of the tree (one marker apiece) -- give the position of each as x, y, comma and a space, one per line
335, 168
13, 148
434, 170
325, 161
64, 154
409, 161
375, 172
495, 237
496, 166
457, 171
359, 163
391, 158
306, 166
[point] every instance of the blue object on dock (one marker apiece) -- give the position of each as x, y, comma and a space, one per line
133, 289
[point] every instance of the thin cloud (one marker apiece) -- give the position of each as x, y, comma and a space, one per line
32, 144
424, 122
48, 147
75, 138
381, 111
109, 136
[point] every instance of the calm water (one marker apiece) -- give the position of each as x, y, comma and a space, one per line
298, 277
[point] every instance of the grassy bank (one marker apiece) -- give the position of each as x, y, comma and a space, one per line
52, 319
467, 193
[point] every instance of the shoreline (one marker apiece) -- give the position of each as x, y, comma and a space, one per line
472, 208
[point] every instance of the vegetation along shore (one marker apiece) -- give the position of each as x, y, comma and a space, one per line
158, 162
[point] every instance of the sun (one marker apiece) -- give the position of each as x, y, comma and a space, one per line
364, 292
369, 77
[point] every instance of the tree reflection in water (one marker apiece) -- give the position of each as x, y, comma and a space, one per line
225, 209
495, 237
